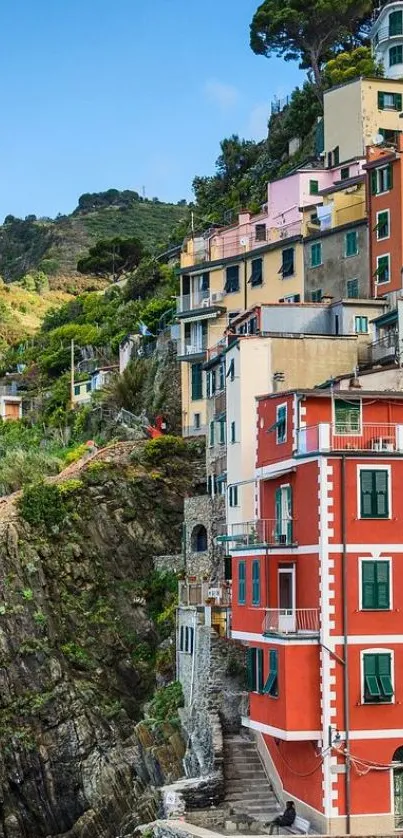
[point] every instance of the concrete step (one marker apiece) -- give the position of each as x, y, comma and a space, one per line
253, 796
244, 782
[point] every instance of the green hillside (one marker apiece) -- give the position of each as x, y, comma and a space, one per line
54, 245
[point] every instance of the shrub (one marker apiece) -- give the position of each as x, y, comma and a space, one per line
165, 704
164, 448
70, 487
42, 504
75, 454
19, 467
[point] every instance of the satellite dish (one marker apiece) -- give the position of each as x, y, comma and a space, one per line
377, 139
244, 241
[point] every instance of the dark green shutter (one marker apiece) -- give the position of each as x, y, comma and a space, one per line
398, 101
381, 494
374, 182
259, 671
384, 675
368, 584
197, 382
256, 582
289, 514
371, 686
278, 514
389, 176
381, 99
382, 585
368, 496
241, 583
250, 669
271, 685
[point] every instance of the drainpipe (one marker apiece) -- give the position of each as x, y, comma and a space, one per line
345, 642
245, 283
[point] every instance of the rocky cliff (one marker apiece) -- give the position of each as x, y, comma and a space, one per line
81, 618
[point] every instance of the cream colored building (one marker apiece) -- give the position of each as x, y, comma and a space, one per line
357, 112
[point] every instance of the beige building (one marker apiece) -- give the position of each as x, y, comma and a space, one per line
364, 108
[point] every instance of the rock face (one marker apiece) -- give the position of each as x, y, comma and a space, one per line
78, 640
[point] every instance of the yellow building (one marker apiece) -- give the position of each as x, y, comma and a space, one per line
357, 112
214, 292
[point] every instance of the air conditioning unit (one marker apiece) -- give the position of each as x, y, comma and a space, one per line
214, 593
217, 297
382, 444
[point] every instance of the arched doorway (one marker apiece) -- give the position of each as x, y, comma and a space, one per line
398, 787
199, 539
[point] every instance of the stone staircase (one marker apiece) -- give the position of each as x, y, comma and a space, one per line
247, 788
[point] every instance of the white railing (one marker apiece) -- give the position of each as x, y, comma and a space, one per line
275, 532
189, 347
345, 436
291, 621
385, 347
190, 302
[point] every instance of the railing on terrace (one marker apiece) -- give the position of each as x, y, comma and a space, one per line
285, 621
189, 347
272, 532
217, 350
385, 348
377, 438
204, 593
225, 246
194, 430
385, 33
190, 302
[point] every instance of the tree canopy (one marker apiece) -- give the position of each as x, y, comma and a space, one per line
112, 257
350, 65
309, 31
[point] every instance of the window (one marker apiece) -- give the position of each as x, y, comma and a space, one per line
88, 387
196, 421
316, 296
389, 136
374, 494
389, 101
199, 539
211, 434
256, 582
377, 669
233, 496
254, 664
395, 24
395, 56
205, 282
381, 179
382, 225
313, 187
222, 431
260, 232
383, 269
345, 173
336, 156
281, 423
351, 243
197, 382
256, 277
287, 265
283, 520
221, 377
361, 325
241, 583
352, 289
375, 585
291, 298
231, 279
316, 254
211, 382
271, 685
231, 370
347, 417
186, 639
233, 432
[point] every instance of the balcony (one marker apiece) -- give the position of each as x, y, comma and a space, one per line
267, 532
384, 349
190, 348
377, 438
385, 34
204, 593
199, 300
286, 622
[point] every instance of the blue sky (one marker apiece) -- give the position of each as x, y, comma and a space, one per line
125, 94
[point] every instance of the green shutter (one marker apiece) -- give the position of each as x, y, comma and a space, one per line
259, 671
382, 585
389, 176
381, 494
241, 583
278, 514
250, 669
398, 101
384, 675
289, 514
347, 417
367, 493
197, 382
381, 97
256, 582
212, 433
395, 23
351, 243
368, 584
271, 685
374, 182
372, 689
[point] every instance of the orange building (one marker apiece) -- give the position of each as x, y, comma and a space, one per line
318, 601
385, 200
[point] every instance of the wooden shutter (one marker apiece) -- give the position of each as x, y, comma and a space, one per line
384, 675
288, 492
381, 494
241, 583
181, 639
367, 493
256, 583
381, 100
374, 182
368, 584
398, 101
259, 671
371, 686
389, 176
250, 669
382, 584
278, 514
271, 685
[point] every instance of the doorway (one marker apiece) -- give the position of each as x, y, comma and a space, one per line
398, 788
286, 599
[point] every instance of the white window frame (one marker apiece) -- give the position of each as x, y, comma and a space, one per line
374, 467
361, 331
378, 179
186, 650
377, 651
279, 406
347, 433
361, 561
383, 238
382, 256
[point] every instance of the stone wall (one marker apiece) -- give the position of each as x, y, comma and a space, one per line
169, 564
210, 513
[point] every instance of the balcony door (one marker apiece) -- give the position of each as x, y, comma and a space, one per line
286, 599
284, 515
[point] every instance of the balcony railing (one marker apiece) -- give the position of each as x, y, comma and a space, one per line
378, 438
272, 532
194, 430
385, 33
291, 621
384, 349
204, 593
192, 347
190, 302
